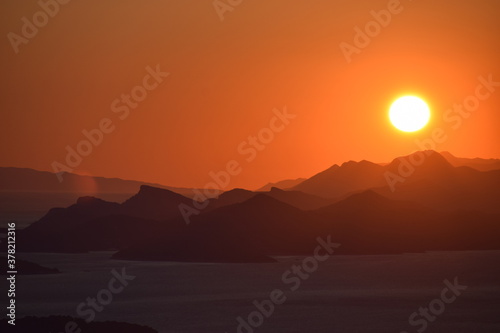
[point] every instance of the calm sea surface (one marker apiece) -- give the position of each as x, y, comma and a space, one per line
345, 294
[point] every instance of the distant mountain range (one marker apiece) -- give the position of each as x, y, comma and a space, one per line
95, 224
434, 182
480, 164
297, 199
26, 194
283, 185
29, 180
435, 206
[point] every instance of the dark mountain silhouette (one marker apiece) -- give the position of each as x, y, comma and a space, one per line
479, 164
85, 209
364, 223
297, 199
63, 234
421, 165
283, 185
437, 184
274, 227
26, 194
368, 223
367, 200
436, 206
259, 226
230, 197
154, 203
193, 245
94, 224
340, 180
351, 177
433, 181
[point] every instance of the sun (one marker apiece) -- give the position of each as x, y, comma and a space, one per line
409, 113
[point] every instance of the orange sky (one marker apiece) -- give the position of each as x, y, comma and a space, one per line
226, 77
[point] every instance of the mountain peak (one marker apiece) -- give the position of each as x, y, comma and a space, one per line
146, 190
362, 201
447, 154
367, 197
283, 184
237, 190
89, 200
148, 195
348, 164
351, 164
424, 160
235, 195
435, 160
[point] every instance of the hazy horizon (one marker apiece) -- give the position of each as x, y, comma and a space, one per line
256, 186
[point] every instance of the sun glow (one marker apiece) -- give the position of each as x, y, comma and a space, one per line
409, 113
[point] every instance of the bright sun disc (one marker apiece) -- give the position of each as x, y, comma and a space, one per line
409, 113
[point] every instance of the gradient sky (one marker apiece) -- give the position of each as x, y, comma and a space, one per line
226, 77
